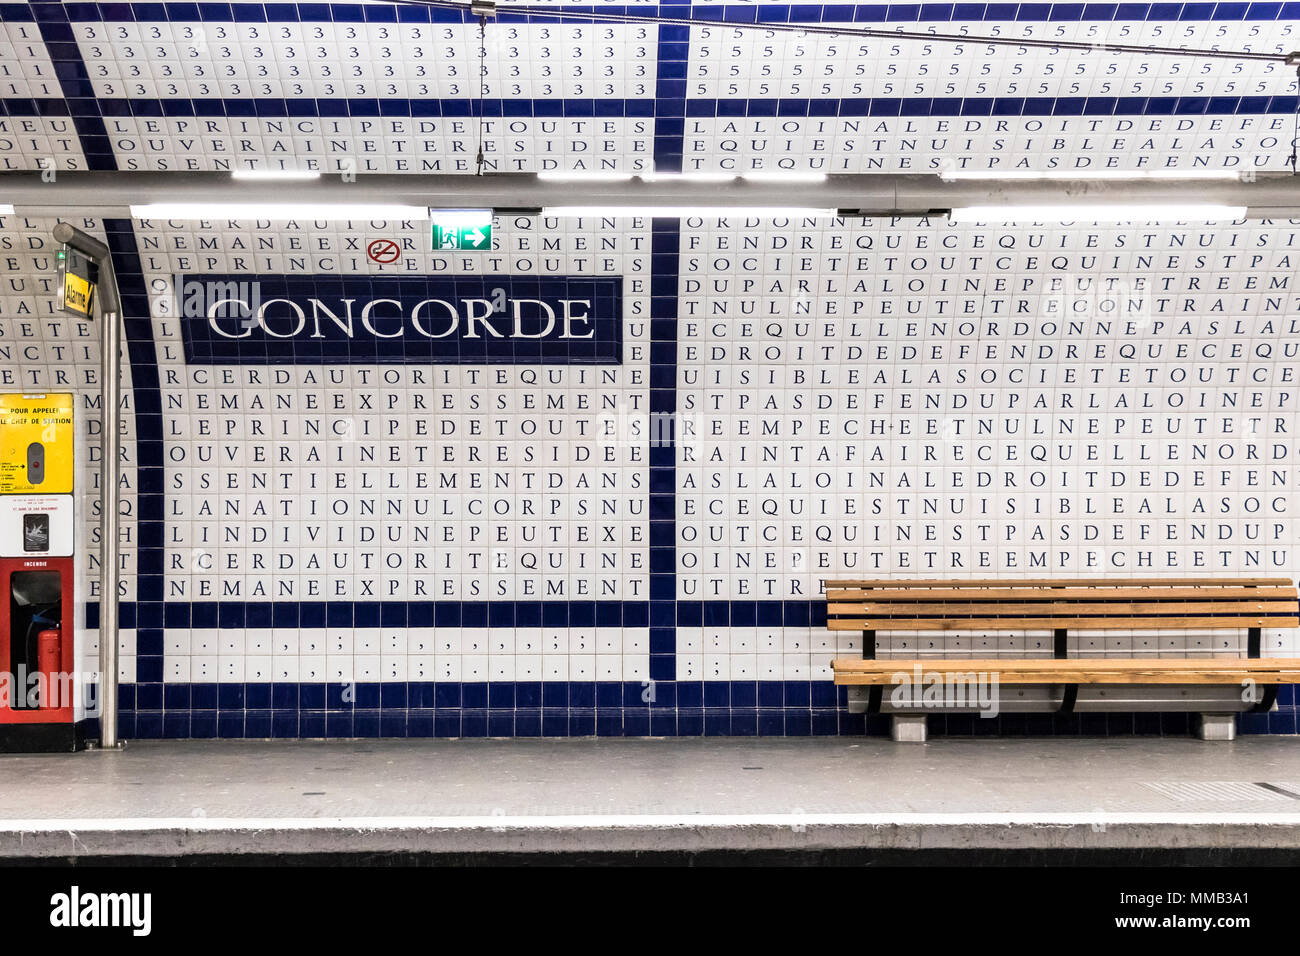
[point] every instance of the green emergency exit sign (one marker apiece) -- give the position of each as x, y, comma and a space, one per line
469, 231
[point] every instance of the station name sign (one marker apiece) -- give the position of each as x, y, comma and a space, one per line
328, 320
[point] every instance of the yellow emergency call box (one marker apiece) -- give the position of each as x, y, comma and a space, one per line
78, 277
36, 439
78, 295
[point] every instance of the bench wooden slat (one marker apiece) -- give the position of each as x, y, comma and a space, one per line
1054, 623
1066, 605
983, 611
1068, 664
1055, 594
1098, 582
854, 671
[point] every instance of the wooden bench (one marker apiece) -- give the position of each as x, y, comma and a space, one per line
1216, 686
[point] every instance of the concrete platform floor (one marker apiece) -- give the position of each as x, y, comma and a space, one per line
160, 800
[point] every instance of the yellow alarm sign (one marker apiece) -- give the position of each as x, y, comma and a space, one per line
78, 295
36, 437
78, 274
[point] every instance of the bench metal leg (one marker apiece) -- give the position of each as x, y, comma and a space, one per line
1218, 727
908, 728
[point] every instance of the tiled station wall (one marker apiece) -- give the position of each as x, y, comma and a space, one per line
373, 544
387, 536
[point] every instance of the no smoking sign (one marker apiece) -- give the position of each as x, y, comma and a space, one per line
383, 251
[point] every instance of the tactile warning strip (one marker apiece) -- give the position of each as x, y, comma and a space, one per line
1221, 790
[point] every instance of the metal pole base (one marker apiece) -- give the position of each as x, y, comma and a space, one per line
1218, 727
98, 746
908, 729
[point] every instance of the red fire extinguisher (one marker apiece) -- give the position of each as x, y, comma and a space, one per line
49, 661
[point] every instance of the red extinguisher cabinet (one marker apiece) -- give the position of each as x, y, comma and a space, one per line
37, 684
38, 680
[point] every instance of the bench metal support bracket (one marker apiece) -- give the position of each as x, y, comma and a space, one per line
1267, 701
1061, 650
1217, 727
908, 728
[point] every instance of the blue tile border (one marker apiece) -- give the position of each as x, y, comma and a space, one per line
668, 133
1001, 106
153, 611
732, 13
375, 107
580, 709
673, 51
460, 709
146, 404
17, 106
662, 504
16, 13
52, 20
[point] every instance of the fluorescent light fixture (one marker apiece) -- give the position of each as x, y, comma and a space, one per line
6, 209
275, 211
687, 177
467, 218
678, 211
1101, 212
1121, 174
578, 176
758, 175
917, 213
272, 175
784, 176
